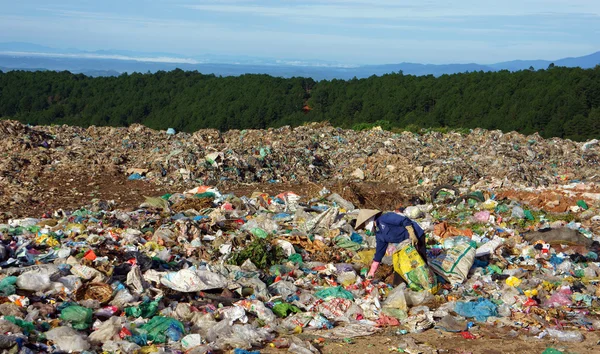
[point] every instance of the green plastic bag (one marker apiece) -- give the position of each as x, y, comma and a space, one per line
7, 286
334, 292
552, 351
80, 317
159, 329
157, 202
146, 309
582, 204
27, 327
283, 309
345, 243
296, 258
205, 195
528, 215
260, 233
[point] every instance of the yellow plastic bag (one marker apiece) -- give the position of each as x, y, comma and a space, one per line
364, 257
413, 269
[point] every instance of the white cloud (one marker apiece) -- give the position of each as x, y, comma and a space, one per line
103, 56
403, 9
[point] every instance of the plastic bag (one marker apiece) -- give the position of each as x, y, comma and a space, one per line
191, 341
159, 329
121, 346
488, 247
67, 339
33, 281
480, 309
456, 260
566, 336
242, 336
283, 309
191, 280
79, 317
258, 308
107, 331
7, 285
396, 298
299, 346
232, 314
283, 288
413, 269
333, 292
482, 216
335, 309
560, 298
146, 309
347, 278
416, 298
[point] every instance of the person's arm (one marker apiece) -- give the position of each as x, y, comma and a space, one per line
411, 233
379, 253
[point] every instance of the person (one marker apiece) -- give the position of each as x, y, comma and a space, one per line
390, 230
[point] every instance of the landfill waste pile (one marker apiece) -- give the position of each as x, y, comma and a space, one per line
205, 271
512, 226
314, 153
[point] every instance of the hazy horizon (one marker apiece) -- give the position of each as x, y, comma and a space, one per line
340, 31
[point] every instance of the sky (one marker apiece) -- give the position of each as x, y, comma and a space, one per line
340, 31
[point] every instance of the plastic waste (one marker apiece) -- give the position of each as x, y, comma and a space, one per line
33, 281
334, 292
159, 329
480, 309
455, 261
413, 212
146, 309
518, 212
191, 280
107, 331
396, 299
566, 336
79, 317
560, 298
413, 269
191, 341
283, 309
488, 247
7, 285
67, 339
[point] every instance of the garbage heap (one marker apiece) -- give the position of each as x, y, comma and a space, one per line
203, 271
312, 153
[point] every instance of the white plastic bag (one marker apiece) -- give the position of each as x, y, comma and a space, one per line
107, 331
192, 280
33, 281
67, 339
396, 298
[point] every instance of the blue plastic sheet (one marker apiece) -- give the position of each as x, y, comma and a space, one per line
480, 309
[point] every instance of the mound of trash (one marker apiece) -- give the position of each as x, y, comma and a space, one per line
202, 270
307, 154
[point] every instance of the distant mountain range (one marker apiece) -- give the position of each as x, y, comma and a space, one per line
27, 56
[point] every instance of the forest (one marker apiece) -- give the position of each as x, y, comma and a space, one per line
556, 102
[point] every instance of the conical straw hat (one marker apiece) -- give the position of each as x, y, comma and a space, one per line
364, 215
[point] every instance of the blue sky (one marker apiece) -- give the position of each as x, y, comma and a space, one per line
344, 31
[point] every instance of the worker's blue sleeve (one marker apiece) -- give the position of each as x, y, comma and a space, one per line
380, 250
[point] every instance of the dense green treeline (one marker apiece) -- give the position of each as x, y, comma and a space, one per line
563, 102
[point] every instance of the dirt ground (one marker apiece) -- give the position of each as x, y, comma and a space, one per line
434, 341
70, 191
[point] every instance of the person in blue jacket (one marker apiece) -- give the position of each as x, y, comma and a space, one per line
390, 230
